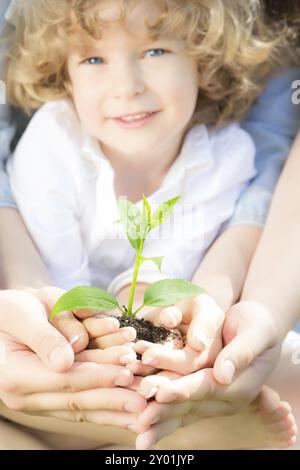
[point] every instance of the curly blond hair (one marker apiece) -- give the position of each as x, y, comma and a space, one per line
229, 39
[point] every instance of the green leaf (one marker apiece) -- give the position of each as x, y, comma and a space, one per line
132, 220
147, 211
129, 212
156, 260
134, 240
163, 212
78, 298
169, 292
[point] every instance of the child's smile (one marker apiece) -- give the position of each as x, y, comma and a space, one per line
135, 95
136, 120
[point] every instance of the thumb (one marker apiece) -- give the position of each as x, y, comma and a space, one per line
238, 355
206, 324
66, 322
169, 317
24, 317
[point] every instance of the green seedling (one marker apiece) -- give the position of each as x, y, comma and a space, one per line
138, 224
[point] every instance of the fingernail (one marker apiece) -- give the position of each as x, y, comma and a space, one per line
131, 408
149, 361
229, 370
170, 320
75, 339
127, 359
113, 325
129, 336
132, 428
122, 381
152, 392
202, 339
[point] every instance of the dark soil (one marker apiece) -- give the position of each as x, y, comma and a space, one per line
146, 331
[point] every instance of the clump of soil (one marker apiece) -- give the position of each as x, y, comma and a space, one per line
146, 331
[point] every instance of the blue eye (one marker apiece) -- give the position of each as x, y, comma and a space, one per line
156, 52
94, 61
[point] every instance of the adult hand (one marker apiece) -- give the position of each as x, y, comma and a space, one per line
221, 390
33, 353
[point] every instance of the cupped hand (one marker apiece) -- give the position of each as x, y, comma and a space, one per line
201, 324
252, 344
184, 400
37, 373
127, 336
250, 330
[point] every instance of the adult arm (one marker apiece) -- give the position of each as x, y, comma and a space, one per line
274, 275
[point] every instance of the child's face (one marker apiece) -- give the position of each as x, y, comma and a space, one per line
127, 73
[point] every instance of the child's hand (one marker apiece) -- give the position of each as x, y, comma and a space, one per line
157, 316
244, 348
108, 344
202, 322
93, 331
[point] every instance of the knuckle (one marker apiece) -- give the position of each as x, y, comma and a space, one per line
73, 405
79, 417
67, 385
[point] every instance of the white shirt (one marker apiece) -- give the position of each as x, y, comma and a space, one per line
64, 187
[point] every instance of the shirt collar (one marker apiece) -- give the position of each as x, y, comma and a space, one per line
195, 156
92, 153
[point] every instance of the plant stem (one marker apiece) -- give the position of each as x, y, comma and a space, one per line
121, 310
138, 310
134, 278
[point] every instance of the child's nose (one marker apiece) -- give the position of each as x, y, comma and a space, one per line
128, 81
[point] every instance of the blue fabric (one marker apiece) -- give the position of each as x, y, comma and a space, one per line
7, 129
273, 124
